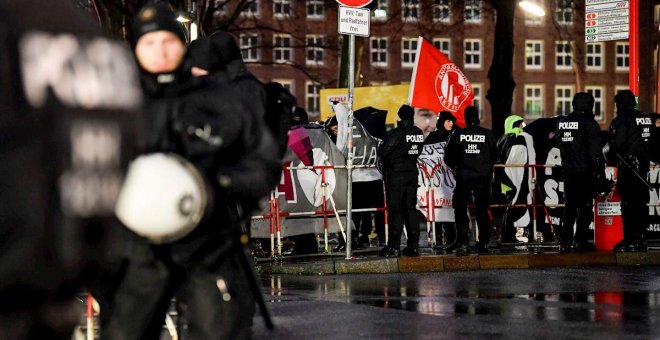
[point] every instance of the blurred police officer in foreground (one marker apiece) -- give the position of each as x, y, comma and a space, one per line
578, 138
630, 133
471, 153
69, 99
208, 124
398, 155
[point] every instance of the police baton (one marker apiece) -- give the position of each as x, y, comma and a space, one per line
634, 171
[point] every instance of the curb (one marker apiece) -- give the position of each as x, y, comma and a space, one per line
448, 263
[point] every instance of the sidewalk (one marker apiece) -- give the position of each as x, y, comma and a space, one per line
334, 264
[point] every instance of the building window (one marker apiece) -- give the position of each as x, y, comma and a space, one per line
472, 11
476, 102
533, 54
444, 45
282, 51
380, 10
531, 19
379, 51
563, 55
288, 84
599, 102
251, 8
312, 95
563, 99
534, 101
410, 9
622, 56
594, 57
564, 12
442, 11
281, 8
408, 51
472, 53
249, 49
315, 9
315, 50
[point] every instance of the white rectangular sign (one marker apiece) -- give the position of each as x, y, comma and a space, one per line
606, 20
354, 21
608, 208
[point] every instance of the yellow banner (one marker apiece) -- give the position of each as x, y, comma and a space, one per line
389, 98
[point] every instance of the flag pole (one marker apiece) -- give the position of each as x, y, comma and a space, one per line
414, 72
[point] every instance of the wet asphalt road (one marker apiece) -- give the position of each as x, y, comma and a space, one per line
557, 303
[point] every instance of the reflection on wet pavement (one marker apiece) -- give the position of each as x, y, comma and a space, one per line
611, 296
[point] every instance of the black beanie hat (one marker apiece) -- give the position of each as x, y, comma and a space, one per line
471, 115
156, 17
299, 117
625, 100
406, 112
583, 102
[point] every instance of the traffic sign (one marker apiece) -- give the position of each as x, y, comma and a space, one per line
354, 21
354, 3
606, 20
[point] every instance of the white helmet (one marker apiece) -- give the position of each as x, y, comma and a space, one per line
163, 198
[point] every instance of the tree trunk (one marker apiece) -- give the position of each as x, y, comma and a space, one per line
500, 74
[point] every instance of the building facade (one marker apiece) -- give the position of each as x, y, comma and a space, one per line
296, 43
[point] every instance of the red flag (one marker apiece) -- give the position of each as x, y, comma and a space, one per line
437, 84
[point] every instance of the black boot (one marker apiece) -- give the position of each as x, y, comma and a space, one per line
463, 249
623, 246
388, 251
410, 252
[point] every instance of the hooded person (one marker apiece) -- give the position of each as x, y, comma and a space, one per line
515, 147
366, 180
578, 138
444, 127
206, 124
398, 156
471, 153
629, 150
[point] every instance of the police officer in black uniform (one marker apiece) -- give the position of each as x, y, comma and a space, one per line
65, 139
398, 156
578, 138
630, 133
208, 124
471, 153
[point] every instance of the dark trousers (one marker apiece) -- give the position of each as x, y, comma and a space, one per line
480, 189
212, 303
579, 193
368, 195
634, 196
402, 208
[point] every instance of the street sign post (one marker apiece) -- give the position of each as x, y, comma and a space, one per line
352, 21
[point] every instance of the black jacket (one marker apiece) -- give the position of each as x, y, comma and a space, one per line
437, 136
401, 147
471, 153
207, 123
65, 140
579, 141
630, 135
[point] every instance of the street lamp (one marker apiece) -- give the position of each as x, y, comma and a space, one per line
532, 8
